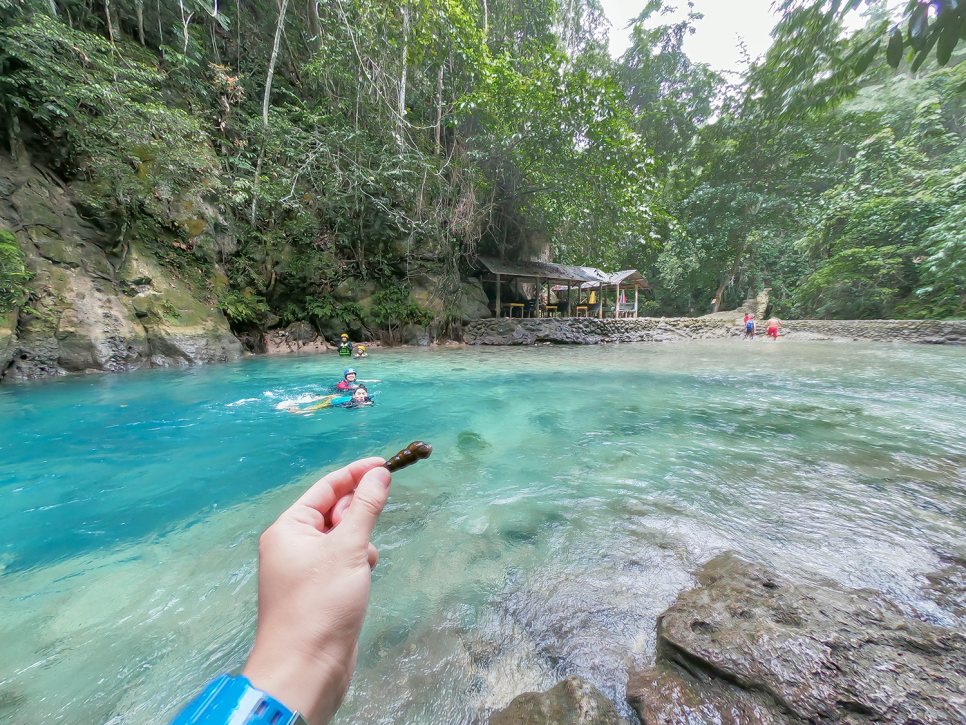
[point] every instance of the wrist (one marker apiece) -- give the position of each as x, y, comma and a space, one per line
311, 684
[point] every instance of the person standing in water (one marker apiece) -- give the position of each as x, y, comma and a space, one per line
749, 327
345, 347
773, 324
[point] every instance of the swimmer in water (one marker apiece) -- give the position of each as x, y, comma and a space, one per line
773, 324
361, 352
359, 398
350, 381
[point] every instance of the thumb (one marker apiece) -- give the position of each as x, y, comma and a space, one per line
367, 503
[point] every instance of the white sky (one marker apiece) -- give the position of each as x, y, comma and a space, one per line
716, 38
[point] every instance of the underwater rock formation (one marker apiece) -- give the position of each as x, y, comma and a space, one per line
748, 647
572, 701
99, 301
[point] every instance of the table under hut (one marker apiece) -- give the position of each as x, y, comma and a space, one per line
620, 284
498, 277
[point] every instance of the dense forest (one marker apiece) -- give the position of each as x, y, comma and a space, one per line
350, 147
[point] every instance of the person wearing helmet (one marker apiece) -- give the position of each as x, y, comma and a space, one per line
350, 382
361, 351
345, 347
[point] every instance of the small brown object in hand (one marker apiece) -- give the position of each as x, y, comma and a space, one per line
415, 451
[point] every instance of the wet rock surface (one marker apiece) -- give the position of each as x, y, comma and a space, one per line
593, 331
572, 701
748, 647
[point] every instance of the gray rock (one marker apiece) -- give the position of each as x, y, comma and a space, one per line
591, 331
301, 332
748, 647
572, 701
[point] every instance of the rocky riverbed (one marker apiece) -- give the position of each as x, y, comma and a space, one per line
750, 647
593, 331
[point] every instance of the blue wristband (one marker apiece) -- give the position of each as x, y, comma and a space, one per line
234, 701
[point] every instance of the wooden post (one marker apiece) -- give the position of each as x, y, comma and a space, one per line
570, 303
600, 310
497, 294
636, 289
548, 297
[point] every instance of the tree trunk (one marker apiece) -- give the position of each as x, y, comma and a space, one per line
53, 7
185, 21
401, 113
265, 103
139, 9
315, 25
439, 108
271, 63
730, 277
110, 23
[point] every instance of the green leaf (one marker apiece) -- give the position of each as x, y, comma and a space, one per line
863, 64
924, 52
894, 52
919, 27
948, 39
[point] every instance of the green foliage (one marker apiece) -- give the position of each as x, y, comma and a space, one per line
14, 274
243, 309
393, 307
104, 116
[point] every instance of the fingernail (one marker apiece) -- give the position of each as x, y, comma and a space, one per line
384, 475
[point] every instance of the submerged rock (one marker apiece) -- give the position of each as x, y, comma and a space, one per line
748, 647
572, 701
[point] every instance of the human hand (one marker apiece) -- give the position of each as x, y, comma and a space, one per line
314, 572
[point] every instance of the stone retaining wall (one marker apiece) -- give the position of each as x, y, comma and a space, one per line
591, 331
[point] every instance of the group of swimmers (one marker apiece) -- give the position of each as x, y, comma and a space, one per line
352, 393
751, 327
346, 348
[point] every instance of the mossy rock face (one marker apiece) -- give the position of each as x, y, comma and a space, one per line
86, 313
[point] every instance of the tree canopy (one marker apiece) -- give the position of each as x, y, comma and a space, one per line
357, 141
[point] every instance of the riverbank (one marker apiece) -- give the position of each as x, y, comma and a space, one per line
592, 331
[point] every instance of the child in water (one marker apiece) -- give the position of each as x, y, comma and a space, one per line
773, 324
350, 381
361, 352
749, 327
345, 347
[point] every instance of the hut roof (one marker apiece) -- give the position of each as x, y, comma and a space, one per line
543, 270
626, 278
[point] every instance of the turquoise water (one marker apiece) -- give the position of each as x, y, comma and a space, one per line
571, 495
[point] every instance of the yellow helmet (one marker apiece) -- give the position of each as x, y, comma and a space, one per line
345, 336
362, 348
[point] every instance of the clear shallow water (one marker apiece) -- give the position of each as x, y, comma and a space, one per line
571, 494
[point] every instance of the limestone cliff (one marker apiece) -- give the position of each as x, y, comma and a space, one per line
95, 305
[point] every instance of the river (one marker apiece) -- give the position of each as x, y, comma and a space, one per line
572, 493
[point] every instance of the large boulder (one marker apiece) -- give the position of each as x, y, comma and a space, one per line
572, 701
749, 647
474, 304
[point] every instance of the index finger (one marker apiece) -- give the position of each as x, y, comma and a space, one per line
330, 488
